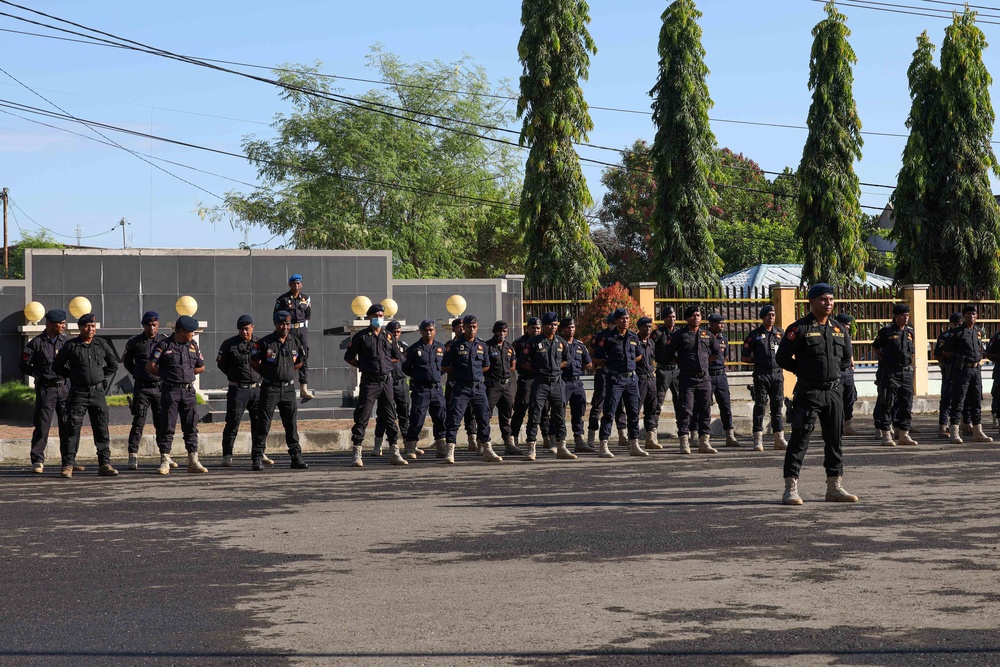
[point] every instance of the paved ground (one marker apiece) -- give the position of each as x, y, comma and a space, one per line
670, 560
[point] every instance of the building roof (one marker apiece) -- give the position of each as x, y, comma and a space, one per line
765, 275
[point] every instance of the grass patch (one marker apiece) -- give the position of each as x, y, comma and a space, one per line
15, 392
121, 400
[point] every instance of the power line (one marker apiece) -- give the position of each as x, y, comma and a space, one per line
52, 231
899, 9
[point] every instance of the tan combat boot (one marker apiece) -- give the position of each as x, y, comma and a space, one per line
684, 440
488, 454
605, 451
531, 453
943, 431
441, 448
731, 440
170, 462
227, 461
652, 442
779, 441
133, 462
377, 449
835, 492
304, 392
66, 472
591, 438
449, 453
967, 428
758, 441
510, 447
887, 440
849, 428
705, 444
410, 450
106, 470
955, 439
358, 451
193, 464
978, 435
905, 439
635, 449
622, 438
791, 495
266, 461
165, 466
581, 446
394, 456
562, 452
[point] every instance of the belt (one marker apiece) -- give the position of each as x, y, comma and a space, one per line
823, 386
178, 385
698, 376
300, 325
401, 380
380, 377
716, 373
269, 383
147, 383
45, 384
425, 385
548, 379
757, 370
244, 385
617, 374
668, 367
969, 365
572, 378
646, 376
469, 383
901, 369
502, 383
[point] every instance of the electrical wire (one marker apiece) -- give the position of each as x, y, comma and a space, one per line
52, 231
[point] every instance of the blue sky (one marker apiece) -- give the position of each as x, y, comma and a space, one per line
757, 51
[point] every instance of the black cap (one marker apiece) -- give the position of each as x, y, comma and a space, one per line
150, 316
550, 318
86, 319
427, 324
187, 323
56, 315
281, 316
470, 319
457, 322
393, 326
620, 313
566, 321
970, 308
643, 321
901, 309
955, 318
819, 289
667, 310
610, 319
765, 310
534, 321
715, 317
243, 321
375, 309
844, 318
691, 310
499, 326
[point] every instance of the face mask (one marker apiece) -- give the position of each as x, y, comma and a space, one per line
377, 322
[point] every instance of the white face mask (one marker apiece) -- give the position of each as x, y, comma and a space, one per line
377, 322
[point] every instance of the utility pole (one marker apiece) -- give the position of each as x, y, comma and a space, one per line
6, 255
123, 222
78, 235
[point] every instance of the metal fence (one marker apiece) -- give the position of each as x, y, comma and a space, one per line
567, 302
871, 308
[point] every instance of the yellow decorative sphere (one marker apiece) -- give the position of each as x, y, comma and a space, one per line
360, 305
34, 311
391, 307
455, 305
80, 306
186, 305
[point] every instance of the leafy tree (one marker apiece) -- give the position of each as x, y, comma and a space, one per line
40, 239
606, 300
683, 155
625, 212
555, 50
360, 176
829, 192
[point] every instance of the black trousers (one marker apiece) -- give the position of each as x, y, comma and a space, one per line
401, 397
238, 401
303, 335
597, 404
84, 401
695, 404
576, 397
424, 399
850, 393
375, 392
144, 397
618, 389
282, 397
966, 394
522, 404
470, 420
895, 399
500, 396
808, 403
177, 402
768, 390
647, 399
466, 396
547, 394
720, 390
49, 401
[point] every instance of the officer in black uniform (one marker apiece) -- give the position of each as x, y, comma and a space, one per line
618, 353
90, 363
423, 365
299, 306
576, 395
993, 354
373, 353
667, 372
600, 384
524, 377
847, 380
813, 348
276, 357
400, 392
894, 348
946, 366
691, 348
546, 355
146, 390
768, 387
467, 362
51, 390
176, 360
243, 394
449, 385
500, 383
646, 373
720, 381
964, 348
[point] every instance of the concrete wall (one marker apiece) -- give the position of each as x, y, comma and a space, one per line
487, 299
12, 304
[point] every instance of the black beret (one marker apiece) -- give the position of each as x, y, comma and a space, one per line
457, 322
427, 324
765, 310
150, 316
375, 309
187, 323
243, 321
715, 317
550, 318
691, 310
620, 313
901, 309
56, 315
970, 308
393, 326
819, 289
644, 321
86, 319
566, 322
844, 318
667, 310
281, 316
610, 319
955, 318
470, 319
534, 321
499, 326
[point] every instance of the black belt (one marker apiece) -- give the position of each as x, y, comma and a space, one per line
716, 373
617, 374
548, 379
269, 383
668, 367
244, 385
822, 386
147, 383
572, 378
646, 376
766, 371
46, 384
425, 385
969, 365
697, 376
178, 385
502, 383
903, 369
399, 381
379, 377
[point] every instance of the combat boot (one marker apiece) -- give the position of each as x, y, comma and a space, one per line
943, 431
978, 435
266, 461
835, 492
905, 439
849, 428
170, 462
66, 472
510, 447
758, 441
955, 439
417, 450
38, 468
394, 456
299, 463
449, 453
581, 446
165, 466
887, 440
622, 439
562, 452
652, 442
441, 448
193, 464
304, 392
473, 445
227, 461
779, 441
357, 462
106, 470
731, 440
377, 449
591, 438
133, 462
705, 444
488, 454
967, 428
550, 443
410, 447
685, 443
530, 453
791, 495
635, 449
605, 452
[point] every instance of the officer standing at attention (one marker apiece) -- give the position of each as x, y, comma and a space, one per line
467, 362
423, 365
759, 349
373, 353
524, 378
993, 354
546, 355
646, 373
146, 392
400, 392
299, 306
51, 390
600, 390
719, 379
964, 348
176, 360
618, 353
692, 348
243, 394
946, 366
894, 348
449, 385
90, 363
276, 357
847, 380
576, 395
813, 348
667, 373
499, 383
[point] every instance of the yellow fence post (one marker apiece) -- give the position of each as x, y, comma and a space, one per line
645, 295
783, 297
916, 296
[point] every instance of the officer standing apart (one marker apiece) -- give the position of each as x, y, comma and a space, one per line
576, 395
299, 306
813, 348
946, 366
146, 391
759, 349
500, 385
176, 360
90, 363
719, 379
51, 390
692, 348
850, 390
646, 373
964, 348
618, 353
894, 348
373, 353
466, 362
400, 392
667, 373
423, 365
546, 355
243, 394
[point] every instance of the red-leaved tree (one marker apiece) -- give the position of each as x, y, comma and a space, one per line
605, 301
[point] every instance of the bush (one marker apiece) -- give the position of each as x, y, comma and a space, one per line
605, 301
15, 392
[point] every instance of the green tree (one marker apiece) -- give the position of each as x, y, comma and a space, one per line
684, 162
358, 176
555, 50
40, 239
829, 192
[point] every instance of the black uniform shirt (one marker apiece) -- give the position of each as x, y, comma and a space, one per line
467, 359
579, 356
177, 361
86, 365
691, 349
423, 362
966, 343
813, 351
399, 349
501, 355
373, 350
647, 350
300, 307
39, 354
939, 345
137, 349
277, 359
993, 353
520, 357
618, 350
547, 356
761, 346
896, 346
233, 360
720, 358
661, 342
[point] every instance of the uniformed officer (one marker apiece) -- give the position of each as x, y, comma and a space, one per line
243, 394
759, 349
176, 360
667, 372
400, 392
51, 390
276, 357
646, 373
965, 349
847, 380
946, 366
373, 353
299, 306
146, 387
894, 348
993, 354
90, 363
466, 361
618, 353
719, 379
600, 389
524, 377
546, 355
423, 365
500, 383
449, 385
691, 348
813, 348
576, 395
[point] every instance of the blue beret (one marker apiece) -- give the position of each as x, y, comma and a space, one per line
844, 318
715, 317
499, 326
295, 277
901, 309
282, 315
375, 309
610, 319
644, 321
86, 319
244, 320
393, 326
427, 324
56, 315
187, 323
150, 316
470, 319
550, 318
620, 313
765, 310
955, 318
819, 289
532, 321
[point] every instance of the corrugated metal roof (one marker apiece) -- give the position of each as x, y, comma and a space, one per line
765, 275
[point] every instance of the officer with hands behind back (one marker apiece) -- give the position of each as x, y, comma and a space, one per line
423, 365
759, 349
243, 394
146, 391
51, 390
466, 362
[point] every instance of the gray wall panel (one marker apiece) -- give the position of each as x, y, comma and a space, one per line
47, 275
159, 274
122, 275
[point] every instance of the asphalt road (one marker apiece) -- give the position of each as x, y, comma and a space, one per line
671, 560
